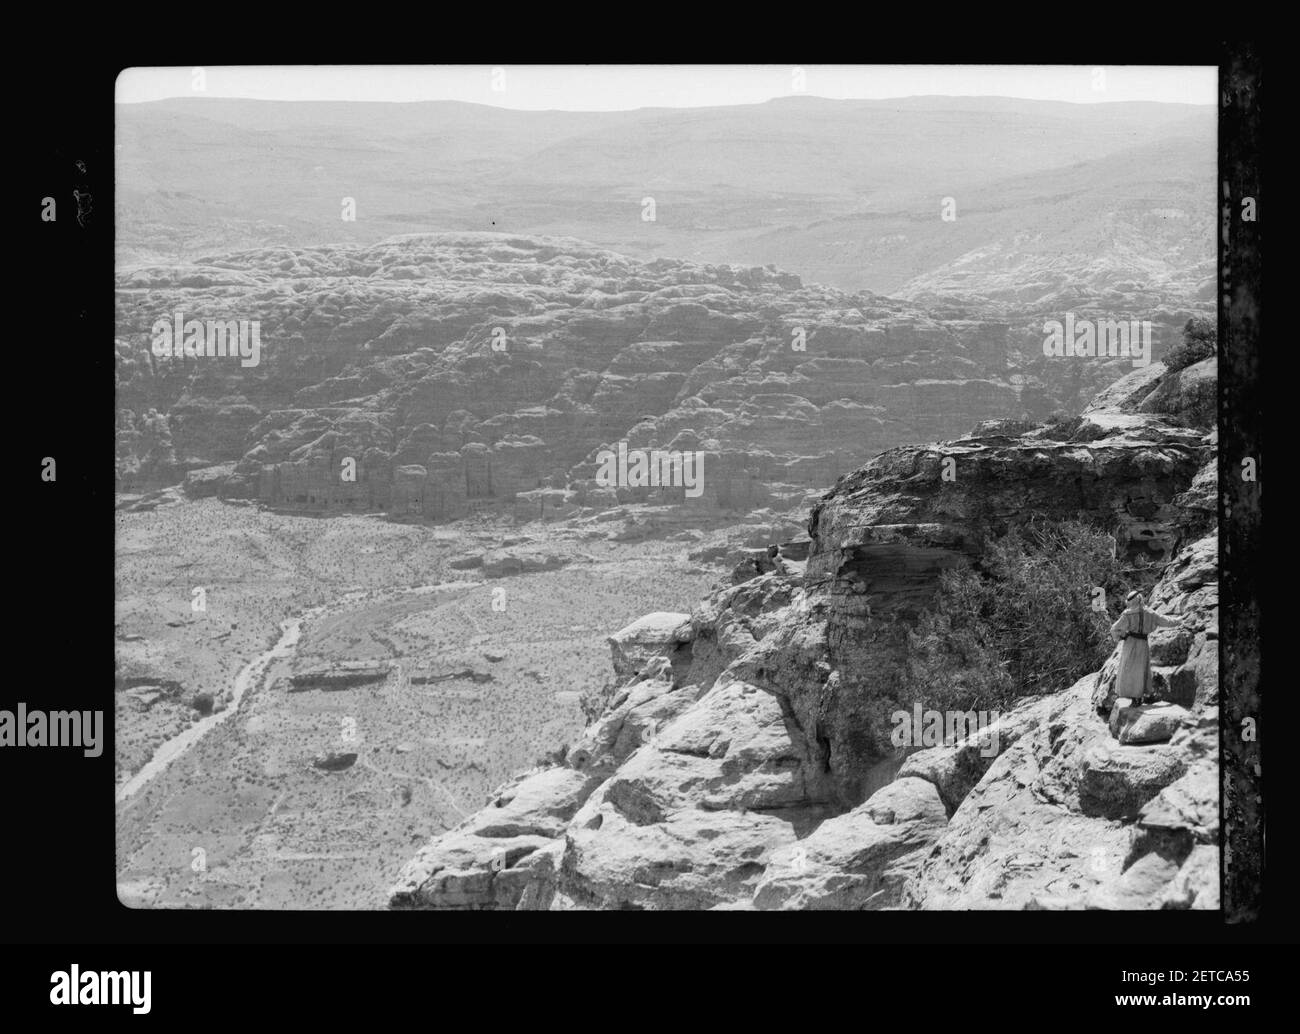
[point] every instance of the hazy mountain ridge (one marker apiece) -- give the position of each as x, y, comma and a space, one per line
752, 185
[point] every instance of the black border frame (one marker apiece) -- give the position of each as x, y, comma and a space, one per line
68, 835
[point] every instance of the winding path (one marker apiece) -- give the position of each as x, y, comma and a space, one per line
249, 675
253, 672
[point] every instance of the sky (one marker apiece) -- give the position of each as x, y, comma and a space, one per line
625, 87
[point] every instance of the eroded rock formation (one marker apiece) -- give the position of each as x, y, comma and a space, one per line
438, 374
739, 764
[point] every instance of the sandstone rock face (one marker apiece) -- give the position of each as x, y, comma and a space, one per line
1072, 817
860, 860
1060, 821
956, 770
151, 500
660, 634
502, 365
476, 865
504, 563
206, 481
1189, 396
335, 761
340, 675
884, 535
735, 765
1155, 723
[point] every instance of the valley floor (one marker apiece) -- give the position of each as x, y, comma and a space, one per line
475, 676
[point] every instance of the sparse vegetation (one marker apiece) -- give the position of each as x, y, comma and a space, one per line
1021, 622
1200, 341
1063, 425
1011, 426
594, 700
286, 835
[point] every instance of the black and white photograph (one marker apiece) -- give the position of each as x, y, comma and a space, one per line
667, 488
563, 502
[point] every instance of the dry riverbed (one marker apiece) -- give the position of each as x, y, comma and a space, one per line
262, 803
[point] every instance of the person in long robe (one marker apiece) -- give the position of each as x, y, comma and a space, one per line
1132, 629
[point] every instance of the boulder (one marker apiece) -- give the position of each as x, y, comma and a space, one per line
507, 563
860, 860
955, 770
1146, 723
335, 761
484, 862
1189, 396
1115, 781
661, 634
206, 481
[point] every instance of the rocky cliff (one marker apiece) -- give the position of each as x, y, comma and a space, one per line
736, 765
438, 374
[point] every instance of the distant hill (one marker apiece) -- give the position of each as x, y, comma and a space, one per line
1049, 196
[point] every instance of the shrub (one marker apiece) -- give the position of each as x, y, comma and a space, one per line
593, 702
1011, 426
1020, 622
1200, 341
1062, 425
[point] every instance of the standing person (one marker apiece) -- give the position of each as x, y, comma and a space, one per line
1132, 629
